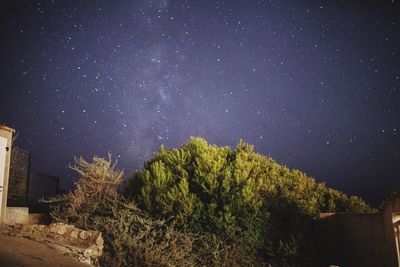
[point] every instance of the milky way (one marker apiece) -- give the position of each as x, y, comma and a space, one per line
314, 84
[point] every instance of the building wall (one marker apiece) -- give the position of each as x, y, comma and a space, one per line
18, 180
7, 133
356, 240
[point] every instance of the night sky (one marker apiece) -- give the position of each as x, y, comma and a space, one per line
314, 84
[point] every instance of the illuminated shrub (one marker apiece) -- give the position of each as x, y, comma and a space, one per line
227, 192
201, 205
211, 189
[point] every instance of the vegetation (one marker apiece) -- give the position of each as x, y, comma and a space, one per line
131, 237
223, 191
202, 205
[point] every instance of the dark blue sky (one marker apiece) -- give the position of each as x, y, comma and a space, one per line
314, 84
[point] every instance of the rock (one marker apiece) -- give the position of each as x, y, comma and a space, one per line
42, 228
99, 240
74, 234
85, 235
58, 228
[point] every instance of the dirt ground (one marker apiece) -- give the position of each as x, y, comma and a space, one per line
22, 252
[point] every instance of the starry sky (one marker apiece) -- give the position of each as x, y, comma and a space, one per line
314, 84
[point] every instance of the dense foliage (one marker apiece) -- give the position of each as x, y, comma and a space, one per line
224, 191
201, 205
214, 188
131, 237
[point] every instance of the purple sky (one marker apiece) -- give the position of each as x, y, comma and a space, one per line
314, 84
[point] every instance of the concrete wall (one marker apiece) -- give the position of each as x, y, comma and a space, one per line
21, 215
18, 215
18, 180
356, 240
7, 133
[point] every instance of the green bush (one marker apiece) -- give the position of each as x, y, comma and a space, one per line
208, 189
201, 205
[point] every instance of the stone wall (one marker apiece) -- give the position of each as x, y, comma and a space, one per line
87, 246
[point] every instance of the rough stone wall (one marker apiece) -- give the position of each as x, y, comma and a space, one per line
18, 181
87, 246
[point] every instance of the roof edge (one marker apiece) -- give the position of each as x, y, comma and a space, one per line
4, 127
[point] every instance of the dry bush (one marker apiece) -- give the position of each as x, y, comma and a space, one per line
97, 181
214, 250
131, 238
